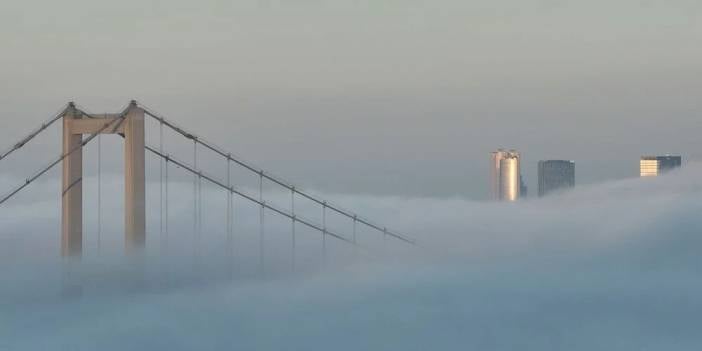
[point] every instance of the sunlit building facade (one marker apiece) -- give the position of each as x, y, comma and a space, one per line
505, 175
648, 166
555, 175
496, 157
651, 166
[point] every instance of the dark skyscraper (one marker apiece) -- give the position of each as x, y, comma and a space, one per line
555, 175
667, 162
651, 166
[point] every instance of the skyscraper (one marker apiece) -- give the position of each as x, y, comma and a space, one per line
651, 166
668, 162
648, 166
505, 175
555, 175
497, 156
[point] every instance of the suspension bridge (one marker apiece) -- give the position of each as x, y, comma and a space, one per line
80, 128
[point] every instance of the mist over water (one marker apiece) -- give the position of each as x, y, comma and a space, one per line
614, 266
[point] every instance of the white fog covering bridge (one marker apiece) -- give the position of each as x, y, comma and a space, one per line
130, 124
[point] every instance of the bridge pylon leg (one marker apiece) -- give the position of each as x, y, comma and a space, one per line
132, 127
134, 180
72, 189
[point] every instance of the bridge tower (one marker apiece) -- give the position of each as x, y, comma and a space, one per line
130, 124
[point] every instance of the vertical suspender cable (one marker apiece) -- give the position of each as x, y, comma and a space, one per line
199, 211
230, 224
99, 193
165, 205
355, 240
195, 204
160, 182
229, 202
292, 221
261, 244
324, 231
251, 168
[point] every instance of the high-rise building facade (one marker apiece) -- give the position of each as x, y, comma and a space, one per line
668, 162
555, 175
651, 166
505, 175
497, 156
648, 166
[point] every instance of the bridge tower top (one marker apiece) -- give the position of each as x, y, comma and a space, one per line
129, 123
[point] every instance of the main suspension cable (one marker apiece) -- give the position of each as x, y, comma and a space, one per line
55, 162
250, 198
33, 134
210, 146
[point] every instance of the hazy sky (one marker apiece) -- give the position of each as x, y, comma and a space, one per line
399, 97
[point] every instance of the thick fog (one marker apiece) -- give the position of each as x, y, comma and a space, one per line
614, 266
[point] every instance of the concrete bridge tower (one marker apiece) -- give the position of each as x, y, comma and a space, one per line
130, 124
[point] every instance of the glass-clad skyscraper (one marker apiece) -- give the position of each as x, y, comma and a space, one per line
505, 175
651, 166
668, 162
555, 175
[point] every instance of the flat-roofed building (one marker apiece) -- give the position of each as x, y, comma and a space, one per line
505, 176
496, 158
668, 162
648, 166
651, 166
510, 184
555, 175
